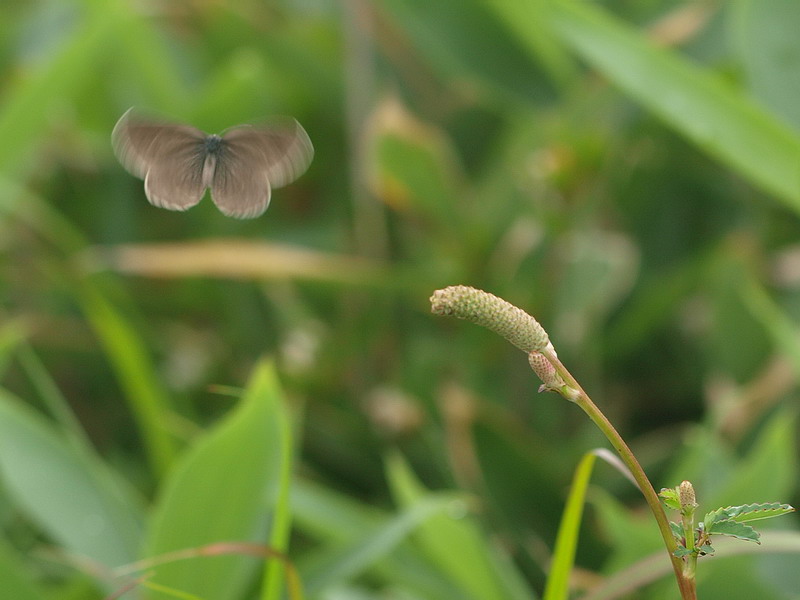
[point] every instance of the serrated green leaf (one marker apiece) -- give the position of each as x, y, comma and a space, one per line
682, 551
752, 512
676, 529
669, 496
734, 529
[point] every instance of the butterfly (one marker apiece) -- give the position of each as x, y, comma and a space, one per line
240, 166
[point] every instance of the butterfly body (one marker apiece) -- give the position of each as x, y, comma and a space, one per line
240, 166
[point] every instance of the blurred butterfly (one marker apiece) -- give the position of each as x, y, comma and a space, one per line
240, 166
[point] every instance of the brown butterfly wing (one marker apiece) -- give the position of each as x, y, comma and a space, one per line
284, 145
253, 160
168, 157
240, 187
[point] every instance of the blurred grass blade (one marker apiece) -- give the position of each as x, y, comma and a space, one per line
236, 259
769, 471
51, 395
697, 103
66, 491
266, 385
557, 587
456, 545
128, 355
351, 561
782, 329
223, 490
338, 522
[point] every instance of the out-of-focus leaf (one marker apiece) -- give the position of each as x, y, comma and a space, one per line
412, 167
456, 545
16, 584
223, 490
697, 103
127, 353
765, 36
373, 546
65, 491
26, 109
465, 40
768, 472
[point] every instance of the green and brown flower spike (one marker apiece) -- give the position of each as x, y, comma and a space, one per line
487, 310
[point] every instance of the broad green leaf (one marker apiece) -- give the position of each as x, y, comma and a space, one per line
223, 490
67, 492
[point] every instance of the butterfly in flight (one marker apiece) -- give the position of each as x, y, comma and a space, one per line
240, 166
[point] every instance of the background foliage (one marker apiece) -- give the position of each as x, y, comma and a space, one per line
628, 172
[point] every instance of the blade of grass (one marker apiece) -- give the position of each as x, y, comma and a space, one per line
557, 587
133, 367
456, 545
373, 546
282, 518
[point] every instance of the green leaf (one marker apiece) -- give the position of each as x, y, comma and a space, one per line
751, 512
222, 490
134, 367
17, 582
676, 529
708, 549
669, 496
770, 466
373, 546
456, 545
734, 529
557, 587
764, 34
65, 490
26, 109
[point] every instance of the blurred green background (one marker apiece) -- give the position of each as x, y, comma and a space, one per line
627, 172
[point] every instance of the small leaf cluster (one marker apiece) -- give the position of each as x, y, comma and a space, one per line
729, 520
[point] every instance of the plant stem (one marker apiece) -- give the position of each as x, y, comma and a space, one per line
686, 584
